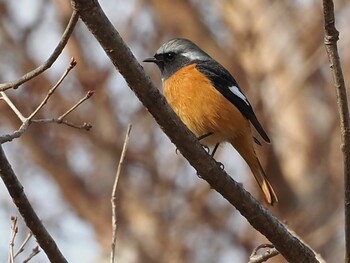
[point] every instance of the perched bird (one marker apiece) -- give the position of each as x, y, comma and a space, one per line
209, 101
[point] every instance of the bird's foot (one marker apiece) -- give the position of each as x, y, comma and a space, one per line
222, 166
206, 148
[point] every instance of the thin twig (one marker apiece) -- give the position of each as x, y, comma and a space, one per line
24, 243
269, 253
114, 193
60, 120
14, 231
48, 63
86, 97
85, 126
72, 64
35, 252
33, 222
13, 107
330, 40
27, 121
16, 134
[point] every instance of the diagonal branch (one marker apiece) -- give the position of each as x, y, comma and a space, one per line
31, 219
260, 218
72, 64
27, 121
330, 41
48, 63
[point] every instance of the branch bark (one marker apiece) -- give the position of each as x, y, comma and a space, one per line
260, 218
31, 219
330, 41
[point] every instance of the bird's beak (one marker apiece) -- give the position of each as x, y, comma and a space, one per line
152, 59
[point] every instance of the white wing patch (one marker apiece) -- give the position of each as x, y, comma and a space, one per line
238, 93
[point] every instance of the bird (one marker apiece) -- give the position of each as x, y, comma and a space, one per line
210, 103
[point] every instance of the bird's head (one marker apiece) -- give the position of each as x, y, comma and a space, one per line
175, 54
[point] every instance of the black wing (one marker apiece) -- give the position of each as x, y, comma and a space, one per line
223, 81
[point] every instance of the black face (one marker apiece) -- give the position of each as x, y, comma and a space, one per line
169, 62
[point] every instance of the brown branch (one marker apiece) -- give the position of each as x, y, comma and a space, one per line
260, 218
12, 106
48, 63
72, 64
35, 252
114, 194
27, 121
60, 120
31, 219
86, 97
269, 253
330, 41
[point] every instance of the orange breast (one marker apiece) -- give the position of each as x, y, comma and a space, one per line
202, 108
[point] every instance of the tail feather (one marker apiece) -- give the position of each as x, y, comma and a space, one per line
264, 184
244, 145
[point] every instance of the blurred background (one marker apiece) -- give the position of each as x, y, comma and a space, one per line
165, 212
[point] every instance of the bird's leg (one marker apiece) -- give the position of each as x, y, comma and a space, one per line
204, 136
214, 150
213, 153
199, 139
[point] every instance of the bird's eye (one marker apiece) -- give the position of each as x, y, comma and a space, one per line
170, 56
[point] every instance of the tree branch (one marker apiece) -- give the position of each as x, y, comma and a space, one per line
122, 58
330, 41
31, 219
60, 120
269, 253
48, 63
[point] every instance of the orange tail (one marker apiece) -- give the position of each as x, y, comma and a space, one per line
245, 148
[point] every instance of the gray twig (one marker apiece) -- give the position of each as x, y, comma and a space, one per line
14, 231
269, 253
114, 193
330, 41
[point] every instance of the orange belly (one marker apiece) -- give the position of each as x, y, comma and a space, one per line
202, 108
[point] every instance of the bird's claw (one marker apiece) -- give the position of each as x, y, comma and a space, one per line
222, 166
206, 148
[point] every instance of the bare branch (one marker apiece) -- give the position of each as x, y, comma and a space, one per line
33, 222
114, 193
35, 252
58, 50
60, 120
269, 253
85, 126
16, 134
14, 231
72, 64
86, 97
27, 121
13, 107
260, 218
24, 243
330, 40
